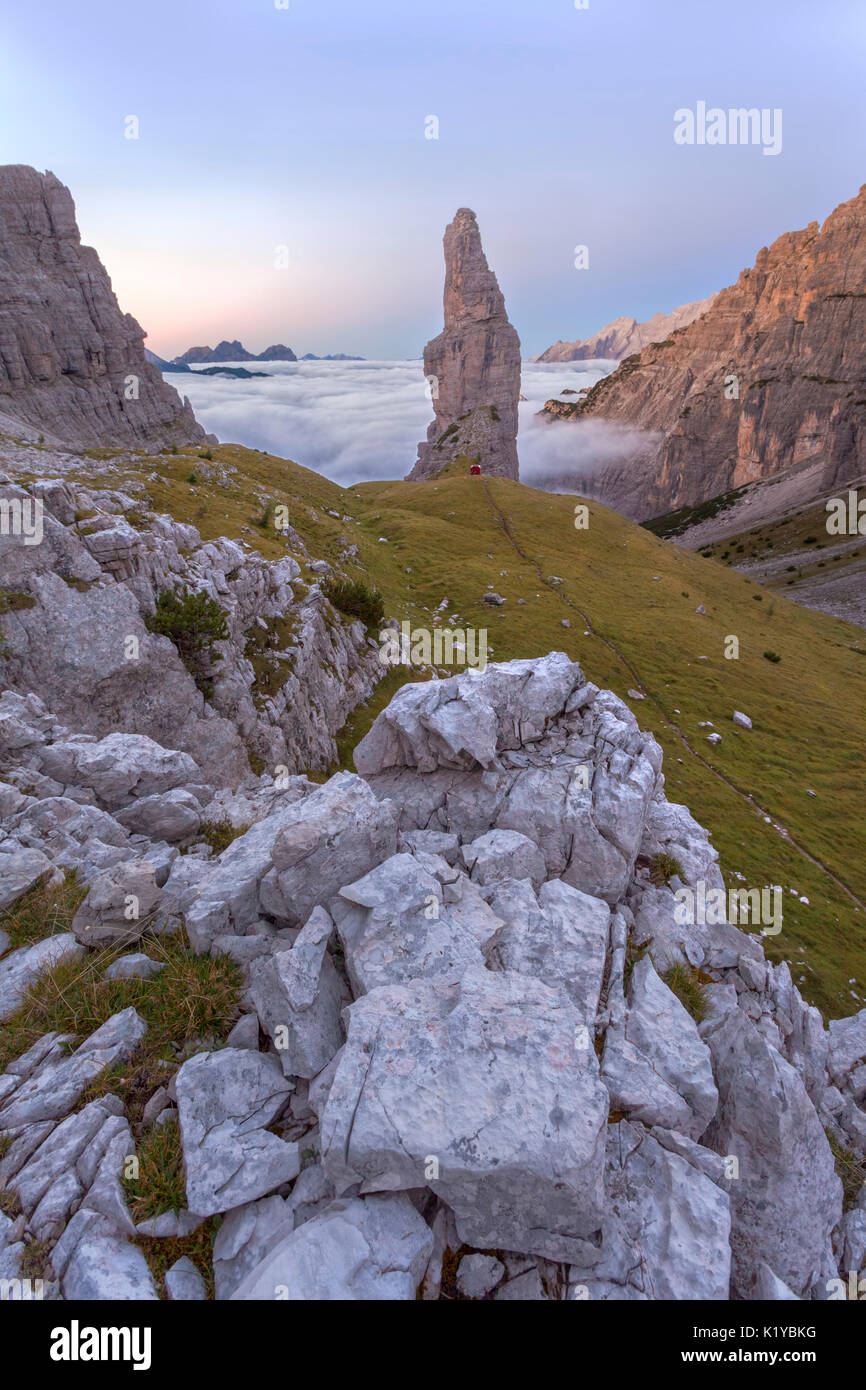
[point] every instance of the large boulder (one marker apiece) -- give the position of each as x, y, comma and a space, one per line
330, 838
431, 1088
119, 768
119, 906
395, 926
226, 1101
368, 1250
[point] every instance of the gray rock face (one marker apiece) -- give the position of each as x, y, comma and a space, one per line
52, 1089
582, 795
20, 869
97, 1264
667, 1039
369, 1250
560, 937
119, 906
119, 768
668, 1226
502, 854
787, 1198
225, 1102
475, 364
394, 927
76, 1165
246, 1235
430, 1089
478, 1275
298, 997
337, 833
90, 589
692, 1165
71, 363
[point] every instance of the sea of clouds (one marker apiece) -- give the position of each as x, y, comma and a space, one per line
356, 421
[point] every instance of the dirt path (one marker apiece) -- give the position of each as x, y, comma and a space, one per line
507, 525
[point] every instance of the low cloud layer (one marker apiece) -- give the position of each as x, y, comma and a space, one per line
356, 421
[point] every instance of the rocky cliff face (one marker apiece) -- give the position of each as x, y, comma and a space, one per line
461, 972
475, 364
771, 377
625, 336
71, 364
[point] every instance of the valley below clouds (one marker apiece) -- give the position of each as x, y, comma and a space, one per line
358, 421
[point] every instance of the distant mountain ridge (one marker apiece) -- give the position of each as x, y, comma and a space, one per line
624, 336
234, 351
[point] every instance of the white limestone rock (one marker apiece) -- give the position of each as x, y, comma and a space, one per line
225, 1102
430, 1088
369, 1249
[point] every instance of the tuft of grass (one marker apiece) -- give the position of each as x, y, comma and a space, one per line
850, 1167
219, 834
43, 911
161, 1252
663, 868
12, 602
193, 997
35, 1259
686, 984
160, 1185
10, 1203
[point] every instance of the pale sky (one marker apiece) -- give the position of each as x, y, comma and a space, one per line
262, 127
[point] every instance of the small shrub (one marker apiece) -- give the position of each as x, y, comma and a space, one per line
192, 479
772, 656
663, 868
356, 599
265, 521
194, 622
686, 984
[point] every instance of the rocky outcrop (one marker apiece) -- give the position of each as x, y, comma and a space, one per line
280, 686
473, 367
462, 1042
625, 336
772, 376
72, 365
